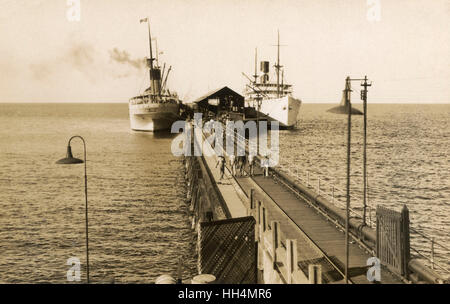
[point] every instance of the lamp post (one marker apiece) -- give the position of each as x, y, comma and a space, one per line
348, 91
70, 160
364, 98
347, 209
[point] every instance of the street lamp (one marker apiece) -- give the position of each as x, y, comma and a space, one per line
70, 160
347, 209
348, 104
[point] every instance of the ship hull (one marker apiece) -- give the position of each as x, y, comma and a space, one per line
153, 117
284, 110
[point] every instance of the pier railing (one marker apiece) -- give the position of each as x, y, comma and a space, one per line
278, 258
337, 197
433, 257
328, 190
278, 255
313, 181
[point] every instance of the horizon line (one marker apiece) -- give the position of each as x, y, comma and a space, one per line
303, 102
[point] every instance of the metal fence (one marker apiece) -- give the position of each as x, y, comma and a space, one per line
227, 249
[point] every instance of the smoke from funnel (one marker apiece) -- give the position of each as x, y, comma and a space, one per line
124, 57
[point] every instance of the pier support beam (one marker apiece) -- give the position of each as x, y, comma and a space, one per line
264, 218
275, 241
291, 259
251, 198
258, 221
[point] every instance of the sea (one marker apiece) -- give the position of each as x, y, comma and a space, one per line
139, 225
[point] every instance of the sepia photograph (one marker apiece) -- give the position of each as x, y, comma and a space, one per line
202, 143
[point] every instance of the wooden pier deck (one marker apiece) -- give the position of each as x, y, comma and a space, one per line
225, 186
319, 241
293, 223
324, 234
298, 221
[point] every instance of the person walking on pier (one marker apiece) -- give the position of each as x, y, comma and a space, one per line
221, 164
238, 164
233, 164
265, 164
251, 164
241, 161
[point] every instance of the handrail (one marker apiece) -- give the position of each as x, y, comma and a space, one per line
320, 182
429, 260
313, 243
336, 201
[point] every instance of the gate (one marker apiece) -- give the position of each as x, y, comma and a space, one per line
393, 239
227, 249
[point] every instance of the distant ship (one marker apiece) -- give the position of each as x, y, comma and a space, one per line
157, 108
273, 100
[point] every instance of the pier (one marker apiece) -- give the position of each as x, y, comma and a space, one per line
276, 229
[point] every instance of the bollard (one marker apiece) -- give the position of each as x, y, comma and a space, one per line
165, 279
315, 274
203, 279
275, 240
291, 259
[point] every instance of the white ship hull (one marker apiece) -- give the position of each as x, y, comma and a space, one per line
284, 110
153, 116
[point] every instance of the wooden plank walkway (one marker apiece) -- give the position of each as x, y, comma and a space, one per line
324, 233
301, 222
226, 188
306, 254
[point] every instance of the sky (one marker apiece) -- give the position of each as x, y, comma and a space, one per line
403, 46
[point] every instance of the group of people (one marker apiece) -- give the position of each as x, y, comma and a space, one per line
237, 165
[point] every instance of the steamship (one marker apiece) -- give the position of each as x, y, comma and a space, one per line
157, 108
272, 100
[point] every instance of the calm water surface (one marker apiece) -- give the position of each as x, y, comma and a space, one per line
407, 155
139, 226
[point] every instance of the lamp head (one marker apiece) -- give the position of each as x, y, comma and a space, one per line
69, 159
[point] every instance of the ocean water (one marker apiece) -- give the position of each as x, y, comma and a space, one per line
138, 222
407, 156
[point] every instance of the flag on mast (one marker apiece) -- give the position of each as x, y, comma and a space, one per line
143, 20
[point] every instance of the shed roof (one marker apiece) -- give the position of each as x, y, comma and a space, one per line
225, 91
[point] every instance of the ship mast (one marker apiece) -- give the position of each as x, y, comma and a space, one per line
157, 53
150, 44
155, 72
277, 66
256, 72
